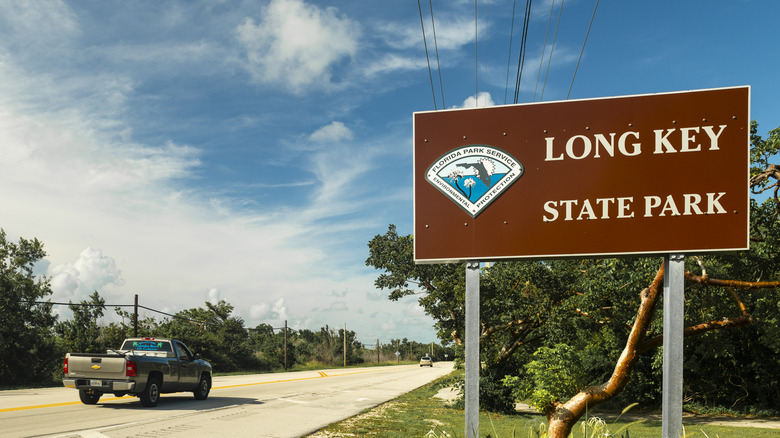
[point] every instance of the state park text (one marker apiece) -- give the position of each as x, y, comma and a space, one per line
627, 143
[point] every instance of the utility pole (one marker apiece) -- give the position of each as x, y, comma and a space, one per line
345, 345
285, 345
135, 317
377, 351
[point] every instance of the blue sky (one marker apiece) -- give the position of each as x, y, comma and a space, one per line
247, 151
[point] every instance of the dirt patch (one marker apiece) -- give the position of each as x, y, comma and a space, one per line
379, 411
450, 396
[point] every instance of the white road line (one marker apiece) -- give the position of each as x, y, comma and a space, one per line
92, 434
292, 401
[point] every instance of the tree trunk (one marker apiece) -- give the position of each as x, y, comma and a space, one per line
563, 416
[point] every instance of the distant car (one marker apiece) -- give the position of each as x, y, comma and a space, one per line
426, 361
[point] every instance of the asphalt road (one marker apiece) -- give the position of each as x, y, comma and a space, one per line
257, 405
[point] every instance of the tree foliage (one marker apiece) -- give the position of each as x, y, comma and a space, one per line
82, 332
26, 321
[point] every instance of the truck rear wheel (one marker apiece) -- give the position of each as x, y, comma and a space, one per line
204, 386
151, 394
89, 397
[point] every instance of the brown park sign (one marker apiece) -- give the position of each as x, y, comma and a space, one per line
649, 174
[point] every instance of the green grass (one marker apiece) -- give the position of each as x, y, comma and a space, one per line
419, 414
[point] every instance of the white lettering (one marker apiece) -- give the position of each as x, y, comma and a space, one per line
692, 204
624, 208
670, 206
713, 136
713, 203
688, 138
609, 146
663, 141
549, 156
587, 209
585, 150
651, 202
568, 204
622, 144
605, 206
550, 207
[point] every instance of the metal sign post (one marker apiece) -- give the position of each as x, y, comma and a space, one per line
472, 349
674, 314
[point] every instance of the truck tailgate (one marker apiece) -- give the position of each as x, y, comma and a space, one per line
97, 366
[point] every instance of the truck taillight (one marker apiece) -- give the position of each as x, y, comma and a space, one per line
131, 369
65, 366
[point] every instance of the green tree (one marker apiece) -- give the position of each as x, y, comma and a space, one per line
82, 333
114, 333
270, 349
26, 322
354, 349
215, 334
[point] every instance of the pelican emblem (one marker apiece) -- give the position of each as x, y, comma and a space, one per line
474, 176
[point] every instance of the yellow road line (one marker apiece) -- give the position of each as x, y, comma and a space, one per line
320, 376
54, 405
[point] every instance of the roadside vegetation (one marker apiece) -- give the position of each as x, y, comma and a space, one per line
31, 333
421, 414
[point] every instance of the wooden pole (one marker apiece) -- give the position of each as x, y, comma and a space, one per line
345, 345
285, 345
135, 317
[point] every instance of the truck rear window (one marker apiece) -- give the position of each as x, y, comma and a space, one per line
147, 346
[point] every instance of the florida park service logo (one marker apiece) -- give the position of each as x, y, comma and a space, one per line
474, 176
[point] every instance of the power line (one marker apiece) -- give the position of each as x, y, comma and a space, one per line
509, 58
521, 58
438, 65
552, 48
476, 56
120, 305
544, 49
427, 59
583, 49
487, 43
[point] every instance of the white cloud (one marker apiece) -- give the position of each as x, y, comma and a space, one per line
213, 296
26, 20
337, 306
331, 133
259, 312
296, 44
482, 100
413, 309
92, 271
393, 63
280, 311
451, 33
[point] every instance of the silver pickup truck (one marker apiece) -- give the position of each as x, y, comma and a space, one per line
143, 367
